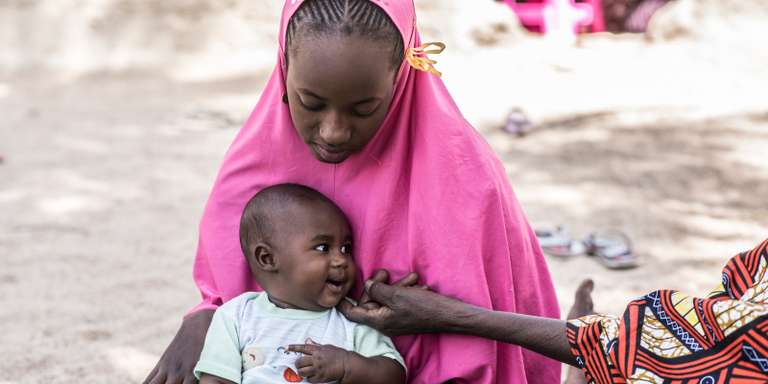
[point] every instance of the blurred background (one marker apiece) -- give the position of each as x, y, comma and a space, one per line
116, 114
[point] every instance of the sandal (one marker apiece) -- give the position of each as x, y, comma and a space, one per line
613, 249
557, 242
517, 123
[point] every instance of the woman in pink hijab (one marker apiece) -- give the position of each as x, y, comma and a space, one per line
355, 110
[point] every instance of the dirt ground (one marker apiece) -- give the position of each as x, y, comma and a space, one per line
106, 164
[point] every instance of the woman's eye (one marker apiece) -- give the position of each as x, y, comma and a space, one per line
365, 112
322, 248
310, 107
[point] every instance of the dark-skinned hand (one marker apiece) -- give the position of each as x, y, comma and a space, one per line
321, 363
400, 309
179, 359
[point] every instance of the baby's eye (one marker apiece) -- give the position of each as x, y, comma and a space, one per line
346, 249
322, 248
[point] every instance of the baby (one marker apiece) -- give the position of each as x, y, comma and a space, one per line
298, 245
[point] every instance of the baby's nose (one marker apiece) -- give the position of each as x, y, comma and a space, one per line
339, 260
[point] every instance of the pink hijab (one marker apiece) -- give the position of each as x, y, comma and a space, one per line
427, 194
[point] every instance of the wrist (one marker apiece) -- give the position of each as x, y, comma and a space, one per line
346, 364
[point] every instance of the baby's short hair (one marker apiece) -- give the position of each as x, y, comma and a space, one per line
256, 222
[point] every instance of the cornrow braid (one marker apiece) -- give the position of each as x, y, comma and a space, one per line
345, 17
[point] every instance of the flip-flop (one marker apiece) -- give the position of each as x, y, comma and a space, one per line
517, 123
613, 249
557, 242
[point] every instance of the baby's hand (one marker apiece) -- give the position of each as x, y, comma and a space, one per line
322, 363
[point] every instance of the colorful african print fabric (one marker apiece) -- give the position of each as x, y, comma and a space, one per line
668, 337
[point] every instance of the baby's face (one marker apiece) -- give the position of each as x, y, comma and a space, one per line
313, 250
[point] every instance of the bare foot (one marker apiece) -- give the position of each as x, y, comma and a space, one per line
582, 306
582, 300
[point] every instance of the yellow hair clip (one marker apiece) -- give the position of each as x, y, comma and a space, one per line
417, 57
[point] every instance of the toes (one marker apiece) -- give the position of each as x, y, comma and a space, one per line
586, 287
582, 300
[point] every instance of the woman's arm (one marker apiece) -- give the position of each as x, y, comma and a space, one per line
179, 359
412, 310
539, 334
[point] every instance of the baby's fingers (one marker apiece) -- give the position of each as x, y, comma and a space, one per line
306, 372
307, 349
303, 362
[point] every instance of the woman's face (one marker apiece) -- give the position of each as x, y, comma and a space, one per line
339, 91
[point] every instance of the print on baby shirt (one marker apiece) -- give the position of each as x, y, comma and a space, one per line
253, 357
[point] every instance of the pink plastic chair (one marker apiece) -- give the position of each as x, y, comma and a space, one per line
564, 16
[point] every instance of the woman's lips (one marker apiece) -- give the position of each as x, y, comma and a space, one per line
330, 155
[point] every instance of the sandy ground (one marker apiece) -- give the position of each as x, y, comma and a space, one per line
106, 167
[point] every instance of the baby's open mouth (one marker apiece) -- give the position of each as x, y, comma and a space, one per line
335, 284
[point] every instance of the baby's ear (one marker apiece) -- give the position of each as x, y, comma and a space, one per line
262, 258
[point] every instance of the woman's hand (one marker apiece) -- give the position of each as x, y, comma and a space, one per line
381, 276
179, 359
403, 308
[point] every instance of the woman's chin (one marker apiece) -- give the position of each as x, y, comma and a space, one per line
329, 157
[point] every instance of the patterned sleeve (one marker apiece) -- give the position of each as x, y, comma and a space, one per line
744, 276
666, 336
591, 338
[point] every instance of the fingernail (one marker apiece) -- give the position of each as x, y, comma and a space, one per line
368, 284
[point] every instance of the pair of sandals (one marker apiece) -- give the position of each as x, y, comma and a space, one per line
613, 249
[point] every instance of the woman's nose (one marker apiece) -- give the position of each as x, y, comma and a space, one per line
335, 131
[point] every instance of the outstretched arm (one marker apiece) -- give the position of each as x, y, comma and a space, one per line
410, 309
539, 334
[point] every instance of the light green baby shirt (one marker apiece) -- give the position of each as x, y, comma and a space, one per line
248, 337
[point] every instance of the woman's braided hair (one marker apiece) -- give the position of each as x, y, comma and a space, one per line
345, 18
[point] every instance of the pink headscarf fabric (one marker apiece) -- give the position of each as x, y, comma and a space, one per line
427, 194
